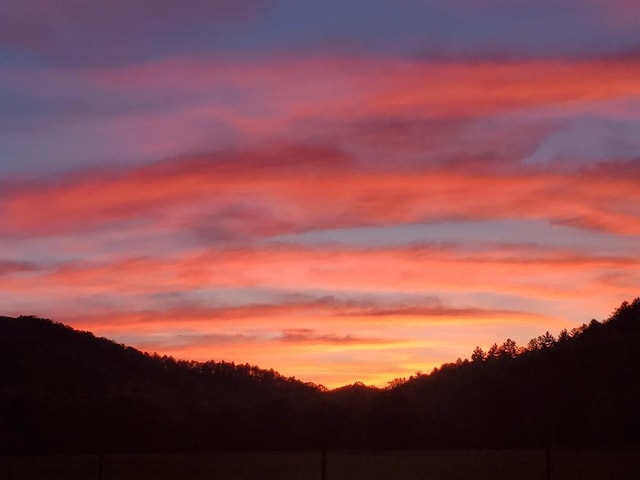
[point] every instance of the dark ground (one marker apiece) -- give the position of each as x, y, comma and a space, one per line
566, 464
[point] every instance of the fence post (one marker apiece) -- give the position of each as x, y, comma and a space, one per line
100, 465
324, 463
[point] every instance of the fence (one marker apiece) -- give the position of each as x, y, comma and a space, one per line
557, 464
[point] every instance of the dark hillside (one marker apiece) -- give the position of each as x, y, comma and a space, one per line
580, 389
67, 391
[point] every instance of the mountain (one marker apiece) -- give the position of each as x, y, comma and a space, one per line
581, 389
65, 391
62, 390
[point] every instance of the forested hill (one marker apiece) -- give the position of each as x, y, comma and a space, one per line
67, 391
62, 390
582, 388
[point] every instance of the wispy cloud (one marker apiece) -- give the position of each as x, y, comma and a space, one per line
120, 31
298, 189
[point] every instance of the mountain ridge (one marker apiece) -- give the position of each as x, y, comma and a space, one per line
67, 391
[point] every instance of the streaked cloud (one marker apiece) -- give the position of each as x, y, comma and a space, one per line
252, 194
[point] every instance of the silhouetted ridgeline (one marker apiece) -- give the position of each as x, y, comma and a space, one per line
67, 391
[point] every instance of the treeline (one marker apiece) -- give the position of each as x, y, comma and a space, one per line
67, 391
580, 389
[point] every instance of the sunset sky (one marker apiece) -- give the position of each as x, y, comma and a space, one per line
339, 190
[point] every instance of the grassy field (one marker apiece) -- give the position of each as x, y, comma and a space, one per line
424, 465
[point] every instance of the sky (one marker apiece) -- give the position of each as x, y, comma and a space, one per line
340, 190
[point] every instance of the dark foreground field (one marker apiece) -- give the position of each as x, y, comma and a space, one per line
435, 465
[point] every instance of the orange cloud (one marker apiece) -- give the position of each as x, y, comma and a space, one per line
330, 98
292, 269
408, 269
299, 189
325, 338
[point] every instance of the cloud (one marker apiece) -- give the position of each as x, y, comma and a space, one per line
306, 335
9, 267
361, 85
289, 309
290, 189
160, 342
116, 31
162, 291
119, 32
374, 108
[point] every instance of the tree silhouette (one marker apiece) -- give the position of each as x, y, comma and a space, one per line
493, 352
508, 349
547, 340
563, 336
478, 355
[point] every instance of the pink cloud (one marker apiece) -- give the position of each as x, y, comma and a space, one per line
559, 275
295, 189
288, 91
